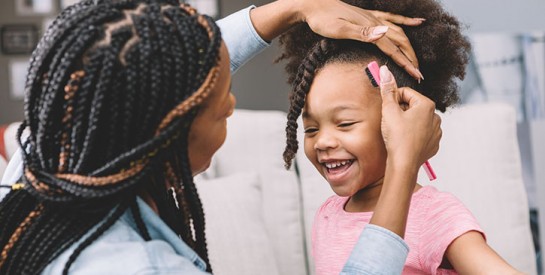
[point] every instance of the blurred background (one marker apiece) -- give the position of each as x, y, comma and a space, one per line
507, 65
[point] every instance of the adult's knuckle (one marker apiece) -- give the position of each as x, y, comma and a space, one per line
366, 31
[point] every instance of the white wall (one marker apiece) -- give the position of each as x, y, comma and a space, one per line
499, 15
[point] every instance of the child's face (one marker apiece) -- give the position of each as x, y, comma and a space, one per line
341, 118
209, 128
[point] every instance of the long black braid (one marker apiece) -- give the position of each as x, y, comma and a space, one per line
111, 93
305, 76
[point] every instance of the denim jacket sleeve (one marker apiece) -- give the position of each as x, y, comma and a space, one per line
242, 40
378, 251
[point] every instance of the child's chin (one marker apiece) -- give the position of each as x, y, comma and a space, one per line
342, 191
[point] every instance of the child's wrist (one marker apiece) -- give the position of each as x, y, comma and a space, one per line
402, 165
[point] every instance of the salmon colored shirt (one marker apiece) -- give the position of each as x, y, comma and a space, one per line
435, 220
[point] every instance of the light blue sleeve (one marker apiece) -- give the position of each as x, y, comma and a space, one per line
242, 40
378, 251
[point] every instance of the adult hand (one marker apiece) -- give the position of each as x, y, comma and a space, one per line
411, 130
410, 127
339, 20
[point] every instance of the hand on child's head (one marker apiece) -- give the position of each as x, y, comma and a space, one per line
410, 127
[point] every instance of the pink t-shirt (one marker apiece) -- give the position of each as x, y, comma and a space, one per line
435, 220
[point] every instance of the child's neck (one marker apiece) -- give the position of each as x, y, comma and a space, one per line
366, 199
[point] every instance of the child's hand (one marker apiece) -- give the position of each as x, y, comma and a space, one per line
410, 127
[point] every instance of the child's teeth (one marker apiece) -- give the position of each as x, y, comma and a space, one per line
336, 164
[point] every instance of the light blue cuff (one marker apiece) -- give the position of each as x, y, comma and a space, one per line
241, 38
378, 251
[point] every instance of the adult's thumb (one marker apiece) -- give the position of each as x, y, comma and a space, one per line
388, 85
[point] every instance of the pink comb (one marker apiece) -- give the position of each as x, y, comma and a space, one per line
429, 171
373, 72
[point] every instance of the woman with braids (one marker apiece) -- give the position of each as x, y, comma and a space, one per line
125, 102
353, 141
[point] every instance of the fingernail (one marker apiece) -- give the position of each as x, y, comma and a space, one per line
379, 30
385, 75
417, 74
420, 19
420, 74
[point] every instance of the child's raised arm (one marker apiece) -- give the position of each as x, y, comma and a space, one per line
470, 254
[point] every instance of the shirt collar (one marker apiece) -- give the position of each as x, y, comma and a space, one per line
159, 230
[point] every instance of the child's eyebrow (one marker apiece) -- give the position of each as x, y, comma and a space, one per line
345, 107
336, 109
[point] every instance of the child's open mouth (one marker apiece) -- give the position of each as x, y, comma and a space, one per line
336, 167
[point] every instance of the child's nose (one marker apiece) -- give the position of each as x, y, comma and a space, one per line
326, 141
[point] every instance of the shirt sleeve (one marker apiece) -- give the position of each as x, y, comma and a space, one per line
378, 251
446, 219
242, 40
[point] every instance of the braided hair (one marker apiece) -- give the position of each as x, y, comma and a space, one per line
111, 93
439, 45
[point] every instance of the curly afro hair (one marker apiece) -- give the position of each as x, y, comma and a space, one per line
440, 47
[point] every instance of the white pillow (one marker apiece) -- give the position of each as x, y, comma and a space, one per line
255, 142
237, 238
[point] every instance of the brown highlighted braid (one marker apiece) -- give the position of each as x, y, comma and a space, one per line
111, 94
441, 49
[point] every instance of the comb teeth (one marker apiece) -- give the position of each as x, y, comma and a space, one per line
371, 78
372, 71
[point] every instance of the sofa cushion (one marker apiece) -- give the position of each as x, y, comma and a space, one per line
238, 242
255, 142
479, 162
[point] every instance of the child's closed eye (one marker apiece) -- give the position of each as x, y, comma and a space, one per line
347, 124
310, 130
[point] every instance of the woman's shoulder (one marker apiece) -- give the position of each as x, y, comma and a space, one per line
121, 250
